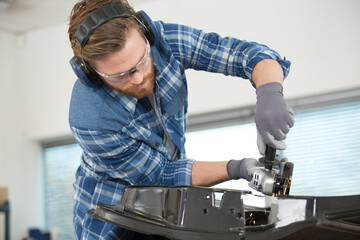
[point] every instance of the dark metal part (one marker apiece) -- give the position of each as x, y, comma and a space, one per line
283, 182
178, 212
209, 213
269, 159
6, 209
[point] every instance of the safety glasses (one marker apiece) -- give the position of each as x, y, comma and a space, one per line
124, 76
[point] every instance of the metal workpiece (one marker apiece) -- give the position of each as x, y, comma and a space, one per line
187, 207
195, 213
209, 213
178, 212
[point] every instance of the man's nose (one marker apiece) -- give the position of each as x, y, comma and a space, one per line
137, 78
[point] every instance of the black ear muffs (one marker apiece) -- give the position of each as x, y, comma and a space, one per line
149, 34
87, 27
85, 73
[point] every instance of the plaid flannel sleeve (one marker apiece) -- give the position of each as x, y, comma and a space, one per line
117, 156
210, 52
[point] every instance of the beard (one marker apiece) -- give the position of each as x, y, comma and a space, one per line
143, 89
148, 81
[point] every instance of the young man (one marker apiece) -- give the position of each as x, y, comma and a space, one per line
128, 108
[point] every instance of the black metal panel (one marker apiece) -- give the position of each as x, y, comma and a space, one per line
186, 207
208, 213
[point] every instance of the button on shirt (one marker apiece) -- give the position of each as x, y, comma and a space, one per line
168, 143
121, 136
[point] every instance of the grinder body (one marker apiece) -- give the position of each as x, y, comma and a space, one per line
274, 177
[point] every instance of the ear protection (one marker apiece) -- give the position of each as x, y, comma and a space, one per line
87, 27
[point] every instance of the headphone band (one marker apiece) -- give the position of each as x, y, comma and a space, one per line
87, 27
97, 18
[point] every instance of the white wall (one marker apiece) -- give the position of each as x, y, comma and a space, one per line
49, 80
321, 38
20, 162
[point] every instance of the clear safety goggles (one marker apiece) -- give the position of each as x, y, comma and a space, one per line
124, 76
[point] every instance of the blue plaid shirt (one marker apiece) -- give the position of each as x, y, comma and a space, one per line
122, 137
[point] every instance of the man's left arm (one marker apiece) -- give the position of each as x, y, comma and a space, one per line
263, 66
266, 71
273, 116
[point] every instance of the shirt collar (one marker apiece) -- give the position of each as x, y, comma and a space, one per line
128, 102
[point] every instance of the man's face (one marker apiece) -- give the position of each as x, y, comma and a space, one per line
135, 57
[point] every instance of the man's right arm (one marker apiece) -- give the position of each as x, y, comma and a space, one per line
210, 173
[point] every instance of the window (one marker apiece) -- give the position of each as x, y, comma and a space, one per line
60, 164
325, 148
324, 145
223, 144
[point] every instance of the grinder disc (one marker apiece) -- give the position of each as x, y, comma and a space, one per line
263, 161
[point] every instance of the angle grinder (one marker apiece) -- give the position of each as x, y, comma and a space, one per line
274, 176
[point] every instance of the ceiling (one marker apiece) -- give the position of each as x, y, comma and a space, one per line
18, 16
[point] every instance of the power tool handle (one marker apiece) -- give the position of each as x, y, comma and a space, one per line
270, 153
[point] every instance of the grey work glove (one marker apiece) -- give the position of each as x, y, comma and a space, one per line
242, 168
273, 116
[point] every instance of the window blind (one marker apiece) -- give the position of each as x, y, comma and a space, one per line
60, 164
324, 145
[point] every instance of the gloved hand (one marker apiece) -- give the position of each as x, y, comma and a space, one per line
242, 168
273, 116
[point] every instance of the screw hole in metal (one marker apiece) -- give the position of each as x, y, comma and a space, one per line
231, 211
